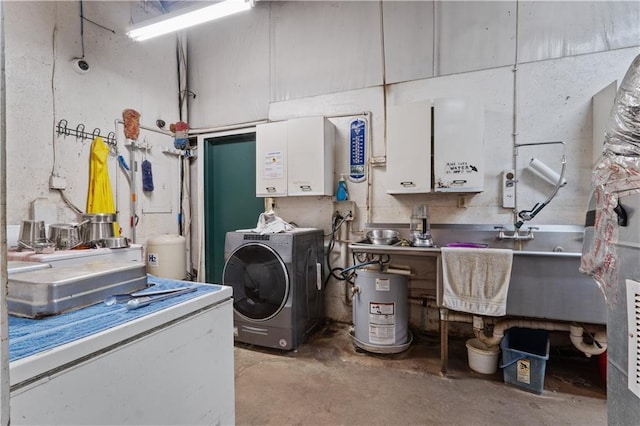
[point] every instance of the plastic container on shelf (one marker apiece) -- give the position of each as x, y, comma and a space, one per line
167, 256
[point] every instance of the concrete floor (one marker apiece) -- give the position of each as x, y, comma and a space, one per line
326, 381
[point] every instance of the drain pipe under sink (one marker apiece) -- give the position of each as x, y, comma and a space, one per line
598, 346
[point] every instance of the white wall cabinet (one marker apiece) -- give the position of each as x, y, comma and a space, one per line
271, 159
310, 152
409, 148
444, 135
458, 149
295, 157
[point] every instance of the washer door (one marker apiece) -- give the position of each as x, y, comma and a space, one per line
259, 279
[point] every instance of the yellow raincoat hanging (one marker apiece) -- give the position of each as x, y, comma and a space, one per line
100, 197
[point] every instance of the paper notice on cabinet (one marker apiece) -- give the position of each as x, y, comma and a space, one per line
274, 165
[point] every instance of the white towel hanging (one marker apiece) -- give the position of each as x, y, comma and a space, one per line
476, 280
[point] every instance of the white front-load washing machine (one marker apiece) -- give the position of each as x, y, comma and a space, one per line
277, 280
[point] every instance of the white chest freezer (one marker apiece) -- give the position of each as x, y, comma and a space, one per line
168, 363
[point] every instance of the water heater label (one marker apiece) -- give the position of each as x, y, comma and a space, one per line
382, 284
382, 323
384, 309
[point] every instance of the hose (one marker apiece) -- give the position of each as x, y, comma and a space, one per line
360, 265
337, 222
526, 215
339, 274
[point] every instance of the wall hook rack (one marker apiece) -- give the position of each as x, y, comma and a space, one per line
63, 129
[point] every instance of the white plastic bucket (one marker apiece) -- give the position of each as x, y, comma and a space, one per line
482, 359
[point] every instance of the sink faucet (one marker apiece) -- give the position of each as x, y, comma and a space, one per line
516, 234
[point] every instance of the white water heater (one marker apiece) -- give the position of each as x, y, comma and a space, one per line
167, 256
380, 312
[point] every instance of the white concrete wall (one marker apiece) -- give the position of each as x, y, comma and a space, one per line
297, 58
287, 59
533, 65
42, 88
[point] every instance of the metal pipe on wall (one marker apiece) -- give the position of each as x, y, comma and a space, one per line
597, 347
218, 131
184, 203
514, 157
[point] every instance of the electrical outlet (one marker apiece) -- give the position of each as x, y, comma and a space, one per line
57, 182
346, 209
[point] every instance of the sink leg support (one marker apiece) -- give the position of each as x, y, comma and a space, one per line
444, 341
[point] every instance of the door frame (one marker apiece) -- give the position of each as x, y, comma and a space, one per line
200, 199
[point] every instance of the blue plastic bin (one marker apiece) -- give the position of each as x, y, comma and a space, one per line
524, 358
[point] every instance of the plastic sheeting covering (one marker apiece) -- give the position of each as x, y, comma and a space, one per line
616, 175
622, 136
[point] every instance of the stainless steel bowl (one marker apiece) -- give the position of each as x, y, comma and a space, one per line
115, 242
32, 230
97, 226
383, 236
419, 239
94, 232
39, 246
45, 246
65, 236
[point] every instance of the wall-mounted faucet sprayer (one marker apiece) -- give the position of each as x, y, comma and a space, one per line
515, 235
525, 215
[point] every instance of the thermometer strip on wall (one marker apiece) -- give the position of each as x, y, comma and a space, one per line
357, 145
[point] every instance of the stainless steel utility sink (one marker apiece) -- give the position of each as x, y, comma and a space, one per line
548, 285
545, 280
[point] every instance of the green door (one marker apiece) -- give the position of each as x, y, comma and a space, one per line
230, 195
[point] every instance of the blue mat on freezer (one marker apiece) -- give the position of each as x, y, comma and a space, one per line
30, 336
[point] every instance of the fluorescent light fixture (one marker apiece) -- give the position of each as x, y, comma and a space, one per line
182, 19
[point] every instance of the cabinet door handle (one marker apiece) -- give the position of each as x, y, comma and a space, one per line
407, 183
305, 187
271, 189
